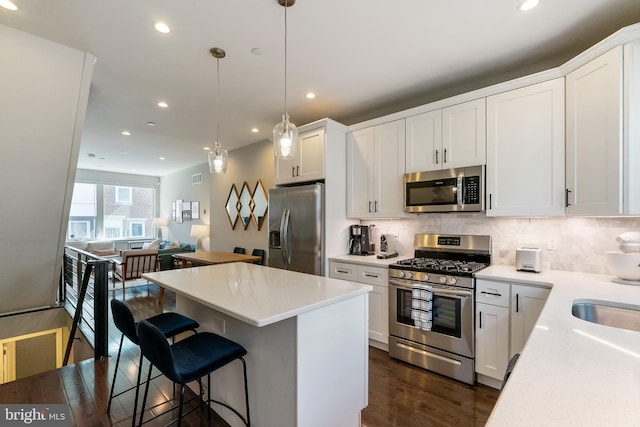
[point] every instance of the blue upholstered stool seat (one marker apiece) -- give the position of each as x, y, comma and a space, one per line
190, 359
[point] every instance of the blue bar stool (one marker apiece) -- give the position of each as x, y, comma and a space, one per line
169, 325
189, 360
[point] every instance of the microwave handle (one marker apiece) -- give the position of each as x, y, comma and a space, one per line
460, 190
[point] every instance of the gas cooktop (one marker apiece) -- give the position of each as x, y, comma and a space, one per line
433, 265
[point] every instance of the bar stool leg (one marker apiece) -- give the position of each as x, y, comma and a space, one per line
115, 372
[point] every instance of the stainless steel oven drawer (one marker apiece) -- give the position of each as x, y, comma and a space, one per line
452, 365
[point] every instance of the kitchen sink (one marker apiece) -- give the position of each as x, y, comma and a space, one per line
617, 315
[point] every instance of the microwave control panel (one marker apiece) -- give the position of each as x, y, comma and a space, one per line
472, 190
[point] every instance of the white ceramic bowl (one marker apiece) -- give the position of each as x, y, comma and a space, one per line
625, 265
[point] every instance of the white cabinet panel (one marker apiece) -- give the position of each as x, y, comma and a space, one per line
447, 138
308, 162
492, 340
464, 134
526, 305
378, 277
525, 151
595, 136
375, 167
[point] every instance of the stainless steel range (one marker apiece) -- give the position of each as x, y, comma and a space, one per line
443, 265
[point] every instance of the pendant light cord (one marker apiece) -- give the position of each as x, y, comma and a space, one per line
286, 6
218, 103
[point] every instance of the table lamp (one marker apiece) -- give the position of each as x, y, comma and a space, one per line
199, 231
159, 223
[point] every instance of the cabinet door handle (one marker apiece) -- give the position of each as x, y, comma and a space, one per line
445, 156
566, 198
297, 170
480, 317
489, 200
342, 271
491, 293
376, 206
293, 172
374, 276
369, 206
436, 157
517, 303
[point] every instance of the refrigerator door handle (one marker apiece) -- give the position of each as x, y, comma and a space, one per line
284, 227
283, 237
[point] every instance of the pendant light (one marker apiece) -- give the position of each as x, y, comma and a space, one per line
285, 133
218, 157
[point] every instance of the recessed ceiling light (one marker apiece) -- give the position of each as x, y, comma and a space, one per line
310, 95
163, 104
207, 148
256, 51
151, 123
161, 158
161, 27
255, 130
528, 5
126, 133
8, 5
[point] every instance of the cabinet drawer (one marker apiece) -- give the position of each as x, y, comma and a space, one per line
489, 292
373, 275
343, 270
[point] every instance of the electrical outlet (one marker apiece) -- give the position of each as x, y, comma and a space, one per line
218, 325
552, 243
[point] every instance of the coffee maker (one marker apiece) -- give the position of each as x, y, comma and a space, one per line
359, 242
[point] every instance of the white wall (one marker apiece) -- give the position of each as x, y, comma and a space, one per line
250, 163
179, 185
582, 242
44, 89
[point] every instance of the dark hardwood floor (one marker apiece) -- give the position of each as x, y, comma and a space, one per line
399, 394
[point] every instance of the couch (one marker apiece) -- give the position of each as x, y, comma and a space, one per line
165, 257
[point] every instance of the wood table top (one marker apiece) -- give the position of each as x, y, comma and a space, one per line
215, 257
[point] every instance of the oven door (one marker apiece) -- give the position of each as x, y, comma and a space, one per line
453, 317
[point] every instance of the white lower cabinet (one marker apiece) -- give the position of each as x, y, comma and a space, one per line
378, 277
492, 328
505, 316
526, 305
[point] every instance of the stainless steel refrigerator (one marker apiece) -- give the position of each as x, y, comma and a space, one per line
296, 228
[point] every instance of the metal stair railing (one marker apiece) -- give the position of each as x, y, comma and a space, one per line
89, 275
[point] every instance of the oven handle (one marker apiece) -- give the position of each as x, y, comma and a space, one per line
437, 290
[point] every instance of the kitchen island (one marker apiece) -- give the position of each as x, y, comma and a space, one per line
306, 338
571, 372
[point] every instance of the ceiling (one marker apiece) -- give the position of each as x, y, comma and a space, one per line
362, 58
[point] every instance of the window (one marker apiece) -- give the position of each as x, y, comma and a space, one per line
103, 211
123, 195
136, 228
79, 229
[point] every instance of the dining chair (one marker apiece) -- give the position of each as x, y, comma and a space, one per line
169, 324
261, 253
239, 250
188, 360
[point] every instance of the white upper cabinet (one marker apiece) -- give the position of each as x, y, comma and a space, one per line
525, 151
602, 152
450, 137
308, 162
375, 167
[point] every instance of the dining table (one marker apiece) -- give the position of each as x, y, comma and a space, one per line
213, 257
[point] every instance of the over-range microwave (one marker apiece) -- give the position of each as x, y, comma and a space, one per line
447, 190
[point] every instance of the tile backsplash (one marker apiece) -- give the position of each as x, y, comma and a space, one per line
581, 242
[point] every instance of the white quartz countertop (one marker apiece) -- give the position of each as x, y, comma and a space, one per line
368, 259
256, 294
572, 372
